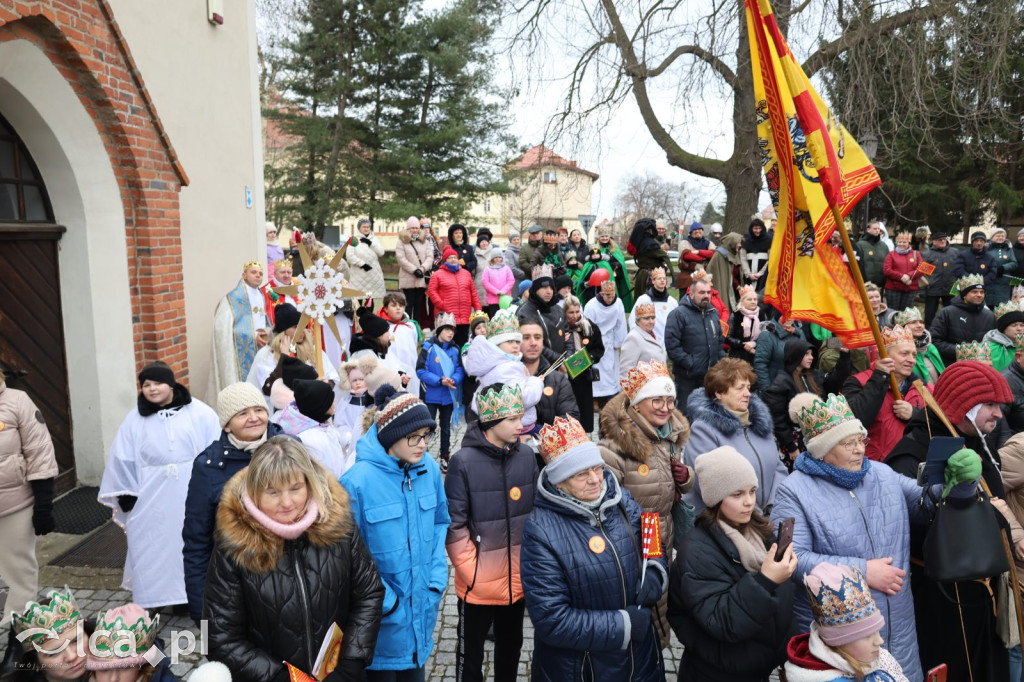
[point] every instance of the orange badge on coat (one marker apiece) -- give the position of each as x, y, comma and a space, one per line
515, 493
596, 544
644, 470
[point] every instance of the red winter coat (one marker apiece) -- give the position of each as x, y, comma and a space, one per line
896, 265
871, 401
453, 292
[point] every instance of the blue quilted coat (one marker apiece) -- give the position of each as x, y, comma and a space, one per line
841, 526
579, 573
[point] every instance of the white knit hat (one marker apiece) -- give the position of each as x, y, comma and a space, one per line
237, 397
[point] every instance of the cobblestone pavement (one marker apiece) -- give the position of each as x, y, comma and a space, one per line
177, 630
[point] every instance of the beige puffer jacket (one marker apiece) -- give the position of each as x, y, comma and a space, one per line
413, 254
26, 451
1011, 457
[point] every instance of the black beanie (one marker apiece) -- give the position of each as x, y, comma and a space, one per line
1009, 318
562, 281
285, 317
313, 398
157, 371
293, 369
373, 325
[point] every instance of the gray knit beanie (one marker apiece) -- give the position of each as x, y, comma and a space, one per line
237, 397
721, 472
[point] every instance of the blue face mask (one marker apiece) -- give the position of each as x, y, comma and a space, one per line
453, 268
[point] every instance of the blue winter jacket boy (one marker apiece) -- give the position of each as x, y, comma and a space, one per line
430, 370
402, 514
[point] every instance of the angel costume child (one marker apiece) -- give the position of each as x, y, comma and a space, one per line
495, 359
359, 379
146, 481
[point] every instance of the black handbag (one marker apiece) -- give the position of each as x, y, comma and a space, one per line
964, 541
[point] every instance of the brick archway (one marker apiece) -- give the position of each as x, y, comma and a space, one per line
82, 40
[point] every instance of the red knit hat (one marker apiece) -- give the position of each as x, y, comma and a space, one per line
967, 383
449, 251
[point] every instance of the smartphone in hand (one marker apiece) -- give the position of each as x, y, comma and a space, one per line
785, 537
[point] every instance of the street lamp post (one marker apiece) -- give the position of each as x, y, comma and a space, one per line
869, 145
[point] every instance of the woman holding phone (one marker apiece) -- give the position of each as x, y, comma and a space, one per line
730, 593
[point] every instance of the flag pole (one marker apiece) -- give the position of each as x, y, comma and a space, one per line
858, 278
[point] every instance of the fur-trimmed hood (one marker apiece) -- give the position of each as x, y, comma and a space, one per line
254, 548
406, 237
700, 407
626, 432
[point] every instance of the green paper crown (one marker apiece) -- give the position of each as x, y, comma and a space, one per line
504, 325
908, 315
821, 416
1008, 307
974, 350
967, 281
508, 402
111, 627
58, 615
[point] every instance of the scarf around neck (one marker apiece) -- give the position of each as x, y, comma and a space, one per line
848, 480
751, 323
247, 445
288, 531
748, 544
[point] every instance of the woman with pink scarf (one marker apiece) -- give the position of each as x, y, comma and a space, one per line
745, 325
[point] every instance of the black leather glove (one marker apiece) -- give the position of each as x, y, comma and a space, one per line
417, 272
348, 670
639, 623
650, 591
127, 502
367, 241
42, 506
366, 267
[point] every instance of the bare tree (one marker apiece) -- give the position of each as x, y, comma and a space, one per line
671, 58
650, 196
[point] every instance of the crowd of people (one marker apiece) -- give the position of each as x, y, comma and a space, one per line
603, 414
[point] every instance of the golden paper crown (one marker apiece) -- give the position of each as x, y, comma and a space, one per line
58, 615
1008, 307
974, 350
478, 316
508, 402
558, 438
110, 627
252, 263
657, 272
746, 289
821, 416
283, 263
907, 315
968, 281
608, 285
702, 275
896, 335
504, 327
446, 320
543, 270
849, 603
644, 310
637, 377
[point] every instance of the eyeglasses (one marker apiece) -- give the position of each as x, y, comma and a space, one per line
851, 444
416, 439
586, 473
662, 403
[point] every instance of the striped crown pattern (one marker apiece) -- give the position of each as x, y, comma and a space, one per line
558, 438
974, 350
850, 603
59, 615
821, 416
638, 377
508, 402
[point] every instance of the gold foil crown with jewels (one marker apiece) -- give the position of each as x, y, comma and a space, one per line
644, 310
906, 315
821, 416
252, 263
1007, 307
543, 270
896, 335
60, 614
639, 376
492, 405
974, 350
558, 438
968, 281
444, 320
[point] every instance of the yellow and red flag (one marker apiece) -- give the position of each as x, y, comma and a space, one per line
810, 163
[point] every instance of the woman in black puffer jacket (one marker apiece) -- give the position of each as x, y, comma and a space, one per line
288, 563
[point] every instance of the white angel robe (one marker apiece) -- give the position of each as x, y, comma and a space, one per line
661, 311
491, 365
323, 441
151, 459
611, 320
265, 363
403, 352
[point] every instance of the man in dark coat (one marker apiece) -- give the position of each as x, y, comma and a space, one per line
965, 319
490, 486
1014, 375
542, 306
533, 240
943, 257
558, 399
548, 253
693, 339
977, 260
873, 252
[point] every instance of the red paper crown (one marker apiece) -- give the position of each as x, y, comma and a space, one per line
558, 438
